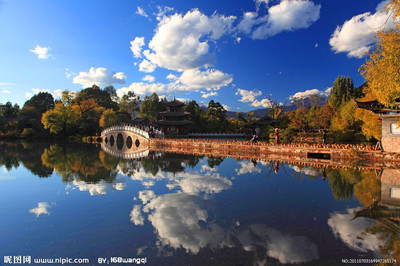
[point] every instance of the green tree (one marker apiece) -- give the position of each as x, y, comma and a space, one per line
345, 120
88, 113
342, 91
9, 110
130, 103
215, 111
382, 69
101, 97
108, 118
43, 101
112, 92
150, 107
60, 120
67, 97
276, 108
197, 116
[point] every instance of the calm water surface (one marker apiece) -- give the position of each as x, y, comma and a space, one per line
77, 201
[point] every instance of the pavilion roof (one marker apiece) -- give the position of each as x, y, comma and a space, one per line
175, 114
174, 103
376, 107
264, 121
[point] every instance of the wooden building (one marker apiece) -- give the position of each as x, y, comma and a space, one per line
390, 118
174, 121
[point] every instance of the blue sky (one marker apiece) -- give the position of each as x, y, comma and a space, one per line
233, 52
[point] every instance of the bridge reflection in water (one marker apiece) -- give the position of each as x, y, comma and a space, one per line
126, 142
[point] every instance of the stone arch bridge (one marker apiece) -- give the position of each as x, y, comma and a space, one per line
126, 139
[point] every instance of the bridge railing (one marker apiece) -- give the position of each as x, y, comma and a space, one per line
132, 129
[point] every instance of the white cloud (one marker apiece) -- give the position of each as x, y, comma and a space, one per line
206, 95
260, 2
136, 216
208, 79
283, 247
181, 221
194, 183
69, 73
248, 21
141, 88
146, 195
357, 35
6, 91
308, 93
99, 76
7, 84
146, 66
163, 11
149, 78
100, 188
40, 209
136, 46
226, 107
42, 52
184, 100
263, 103
309, 171
181, 42
248, 96
207, 168
288, 15
55, 93
352, 232
141, 12
247, 167
190, 80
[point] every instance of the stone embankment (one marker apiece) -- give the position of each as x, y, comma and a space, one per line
323, 155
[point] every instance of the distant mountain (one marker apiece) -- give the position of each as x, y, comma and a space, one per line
288, 108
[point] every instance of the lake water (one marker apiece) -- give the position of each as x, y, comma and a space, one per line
76, 201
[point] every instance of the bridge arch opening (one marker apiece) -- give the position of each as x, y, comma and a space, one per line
106, 140
137, 143
120, 141
129, 142
112, 141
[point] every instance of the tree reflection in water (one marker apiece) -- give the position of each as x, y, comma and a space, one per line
186, 218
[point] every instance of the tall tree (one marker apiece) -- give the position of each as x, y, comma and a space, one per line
61, 119
150, 107
108, 118
68, 97
276, 108
197, 116
130, 103
112, 92
101, 97
342, 91
382, 69
216, 111
9, 110
43, 101
88, 113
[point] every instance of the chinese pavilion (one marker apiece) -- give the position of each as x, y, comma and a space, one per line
174, 121
390, 117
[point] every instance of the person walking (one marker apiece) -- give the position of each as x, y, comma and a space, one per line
276, 136
323, 136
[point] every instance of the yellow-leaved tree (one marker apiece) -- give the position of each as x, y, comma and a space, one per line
108, 118
61, 119
382, 69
